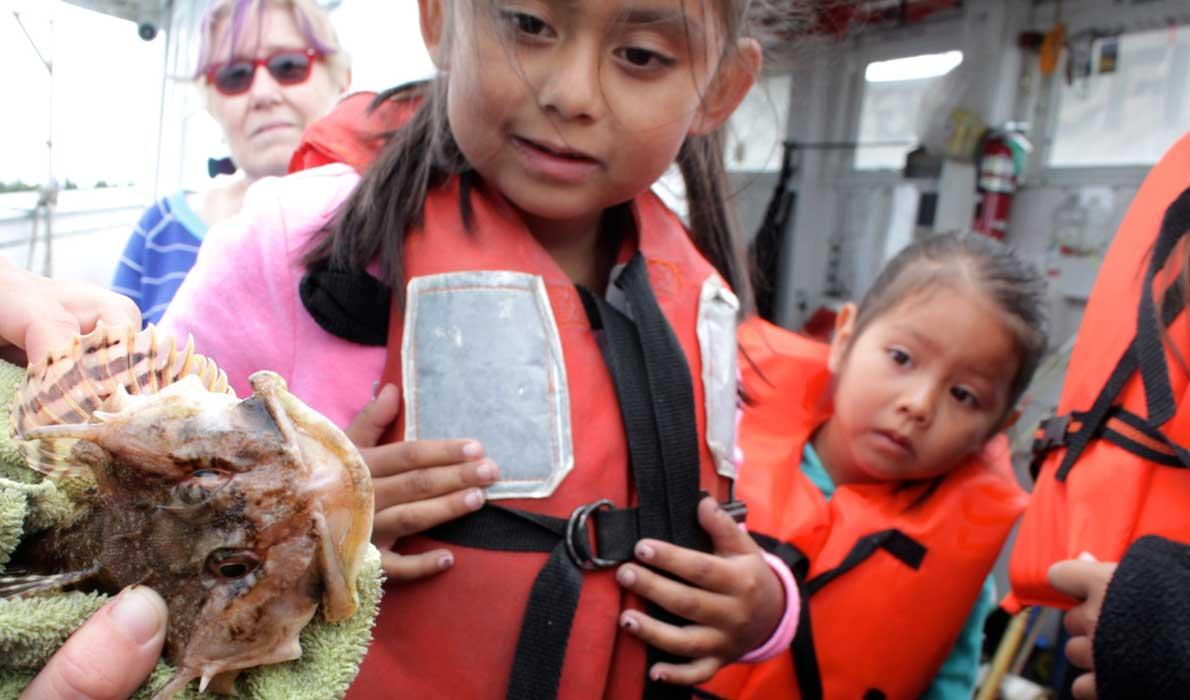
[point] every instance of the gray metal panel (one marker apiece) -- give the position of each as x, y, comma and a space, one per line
481, 358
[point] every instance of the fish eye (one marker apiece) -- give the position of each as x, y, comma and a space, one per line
229, 565
199, 487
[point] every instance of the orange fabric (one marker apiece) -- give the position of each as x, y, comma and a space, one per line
455, 633
881, 625
351, 133
1112, 497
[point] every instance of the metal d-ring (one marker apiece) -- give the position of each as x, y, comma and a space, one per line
576, 526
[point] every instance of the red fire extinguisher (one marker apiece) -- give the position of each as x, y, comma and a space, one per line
996, 185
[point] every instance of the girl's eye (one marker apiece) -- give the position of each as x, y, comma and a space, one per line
644, 58
964, 396
526, 24
898, 356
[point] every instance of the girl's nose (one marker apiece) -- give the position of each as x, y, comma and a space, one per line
571, 87
917, 402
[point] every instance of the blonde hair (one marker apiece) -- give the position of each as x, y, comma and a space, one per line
224, 21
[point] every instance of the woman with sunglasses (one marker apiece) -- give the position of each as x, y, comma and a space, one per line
266, 69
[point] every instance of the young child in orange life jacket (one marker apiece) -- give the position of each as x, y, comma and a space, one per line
874, 468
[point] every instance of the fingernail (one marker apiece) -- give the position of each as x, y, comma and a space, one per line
140, 613
472, 449
626, 576
486, 471
644, 551
629, 623
474, 499
657, 675
446, 561
1087, 556
375, 388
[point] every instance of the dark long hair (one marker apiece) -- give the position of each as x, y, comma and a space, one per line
390, 199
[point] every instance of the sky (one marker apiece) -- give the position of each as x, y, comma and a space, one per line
107, 85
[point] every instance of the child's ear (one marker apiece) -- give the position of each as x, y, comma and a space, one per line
736, 75
433, 27
841, 340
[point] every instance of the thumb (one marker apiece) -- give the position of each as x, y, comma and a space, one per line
727, 537
1073, 577
374, 418
129, 630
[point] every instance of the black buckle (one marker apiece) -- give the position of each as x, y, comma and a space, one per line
1053, 434
577, 543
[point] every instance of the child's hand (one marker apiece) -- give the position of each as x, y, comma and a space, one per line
733, 601
419, 484
1085, 580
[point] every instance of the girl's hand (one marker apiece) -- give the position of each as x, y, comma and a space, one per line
1086, 580
419, 484
733, 599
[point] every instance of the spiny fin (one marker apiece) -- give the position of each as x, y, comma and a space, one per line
97, 372
16, 586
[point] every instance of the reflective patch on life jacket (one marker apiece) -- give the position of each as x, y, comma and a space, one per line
718, 309
481, 358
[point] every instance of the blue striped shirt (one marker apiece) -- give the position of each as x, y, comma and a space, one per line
159, 254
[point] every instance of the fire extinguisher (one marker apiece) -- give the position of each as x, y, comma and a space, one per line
996, 185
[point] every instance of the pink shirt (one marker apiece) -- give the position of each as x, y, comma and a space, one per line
240, 301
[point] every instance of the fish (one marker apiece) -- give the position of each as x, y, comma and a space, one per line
245, 514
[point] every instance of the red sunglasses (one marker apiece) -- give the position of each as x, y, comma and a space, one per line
287, 66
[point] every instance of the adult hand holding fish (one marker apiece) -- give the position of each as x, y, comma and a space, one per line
418, 483
37, 314
131, 628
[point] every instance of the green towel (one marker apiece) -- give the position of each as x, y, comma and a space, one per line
31, 629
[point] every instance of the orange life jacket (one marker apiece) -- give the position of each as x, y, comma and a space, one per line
887, 585
519, 614
353, 133
1113, 462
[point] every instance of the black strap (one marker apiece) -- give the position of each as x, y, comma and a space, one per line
805, 658
1150, 347
1146, 352
656, 397
904, 548
508, 530
672, 393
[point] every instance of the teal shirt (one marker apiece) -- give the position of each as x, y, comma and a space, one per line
956, 678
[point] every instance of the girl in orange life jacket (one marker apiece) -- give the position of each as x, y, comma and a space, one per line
890, 425
524, 170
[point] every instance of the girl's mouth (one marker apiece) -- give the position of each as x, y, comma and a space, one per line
560, 164
895, 441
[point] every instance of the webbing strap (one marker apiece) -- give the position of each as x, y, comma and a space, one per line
656, 396
805, 658
1146, 352
904, 548
1150, 349
672, 391
1121, 428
